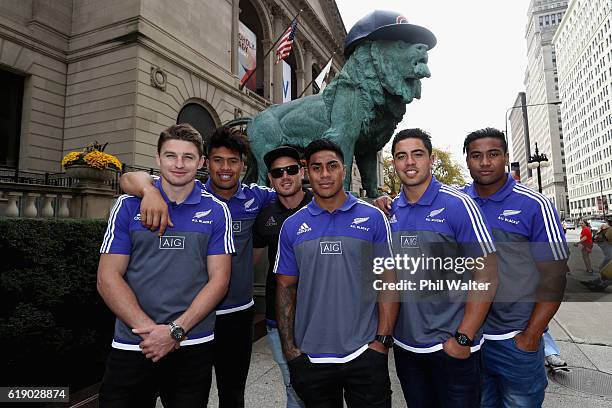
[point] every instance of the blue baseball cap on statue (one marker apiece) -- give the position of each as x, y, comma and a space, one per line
386, 25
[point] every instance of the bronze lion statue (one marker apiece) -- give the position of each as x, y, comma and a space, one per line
361, 107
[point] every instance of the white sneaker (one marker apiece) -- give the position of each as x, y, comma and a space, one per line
554, 360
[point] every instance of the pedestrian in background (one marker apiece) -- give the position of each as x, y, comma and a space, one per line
586, 241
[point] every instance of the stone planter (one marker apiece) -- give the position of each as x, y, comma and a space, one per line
87, 176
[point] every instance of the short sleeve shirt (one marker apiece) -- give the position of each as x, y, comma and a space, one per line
166, 273
440, 236
266, 232
244, 206
332, 254
526, 229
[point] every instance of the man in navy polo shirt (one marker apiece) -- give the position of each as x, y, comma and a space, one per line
438, 331
164, 289
226, 151
334, 333
532, 261
285, 174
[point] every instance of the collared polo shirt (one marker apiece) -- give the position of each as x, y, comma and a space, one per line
526, 229
166, 273
442, 229
266, 232
245, 204
332, 254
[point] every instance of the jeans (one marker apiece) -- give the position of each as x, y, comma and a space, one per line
364, 381
511, 377
293, 401
437, 380
232, 355
182, 378
550, 347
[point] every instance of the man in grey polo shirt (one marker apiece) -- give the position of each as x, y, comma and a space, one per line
164, 289
226, 151
335, 333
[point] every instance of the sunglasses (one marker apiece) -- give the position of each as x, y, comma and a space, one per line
291, 170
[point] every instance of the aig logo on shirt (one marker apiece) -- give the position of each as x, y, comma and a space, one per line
236, 226
171, 242
409, 241
331, 247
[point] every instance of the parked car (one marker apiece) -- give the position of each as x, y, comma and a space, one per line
596, 225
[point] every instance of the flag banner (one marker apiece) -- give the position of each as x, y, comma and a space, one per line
286, 82
321, 80
286, 42
247, 57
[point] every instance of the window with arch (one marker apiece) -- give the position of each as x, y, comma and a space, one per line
198, 117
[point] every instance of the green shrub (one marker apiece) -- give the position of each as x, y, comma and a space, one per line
54, 327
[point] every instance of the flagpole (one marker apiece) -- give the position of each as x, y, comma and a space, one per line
266, 55
312, 80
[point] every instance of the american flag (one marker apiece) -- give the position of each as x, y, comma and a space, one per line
286, 42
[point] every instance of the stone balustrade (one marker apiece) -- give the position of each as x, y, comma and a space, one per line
44, 201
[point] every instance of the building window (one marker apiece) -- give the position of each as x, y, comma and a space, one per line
198, 117
11, 98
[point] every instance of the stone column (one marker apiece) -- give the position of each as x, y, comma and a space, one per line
47, 209
307, 67
267, 68
30, 209
63, 211
277, 71
12, 210
234, 46
299, 86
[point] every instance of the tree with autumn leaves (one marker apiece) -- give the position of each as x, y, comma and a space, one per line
445, 169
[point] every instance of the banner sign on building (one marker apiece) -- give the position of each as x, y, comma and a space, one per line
286, 82
247, 56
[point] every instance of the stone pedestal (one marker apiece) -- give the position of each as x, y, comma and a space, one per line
92, 202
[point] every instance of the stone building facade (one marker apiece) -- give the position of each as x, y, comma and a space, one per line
584, 51
120, 71
545, 129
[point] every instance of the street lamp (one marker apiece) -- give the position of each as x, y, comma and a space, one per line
523, 106
538, 161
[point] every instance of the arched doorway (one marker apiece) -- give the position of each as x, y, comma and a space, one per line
199, 117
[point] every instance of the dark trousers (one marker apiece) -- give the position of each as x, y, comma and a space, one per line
182, 378
364, 381
232, 355
437, 380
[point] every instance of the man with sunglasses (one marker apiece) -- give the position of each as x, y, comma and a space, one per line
285, 175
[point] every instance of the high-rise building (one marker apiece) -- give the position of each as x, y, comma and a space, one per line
544, 16
519, 128
584, 50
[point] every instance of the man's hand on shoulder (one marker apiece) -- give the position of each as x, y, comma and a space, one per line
157, 341
154, 211
383, 203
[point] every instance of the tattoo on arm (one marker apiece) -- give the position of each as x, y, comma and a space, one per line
285, 313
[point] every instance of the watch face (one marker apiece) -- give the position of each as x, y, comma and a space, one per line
462, 339
178, 333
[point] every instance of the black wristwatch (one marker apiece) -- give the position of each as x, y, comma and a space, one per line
386, 341
463, 340
176, 332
